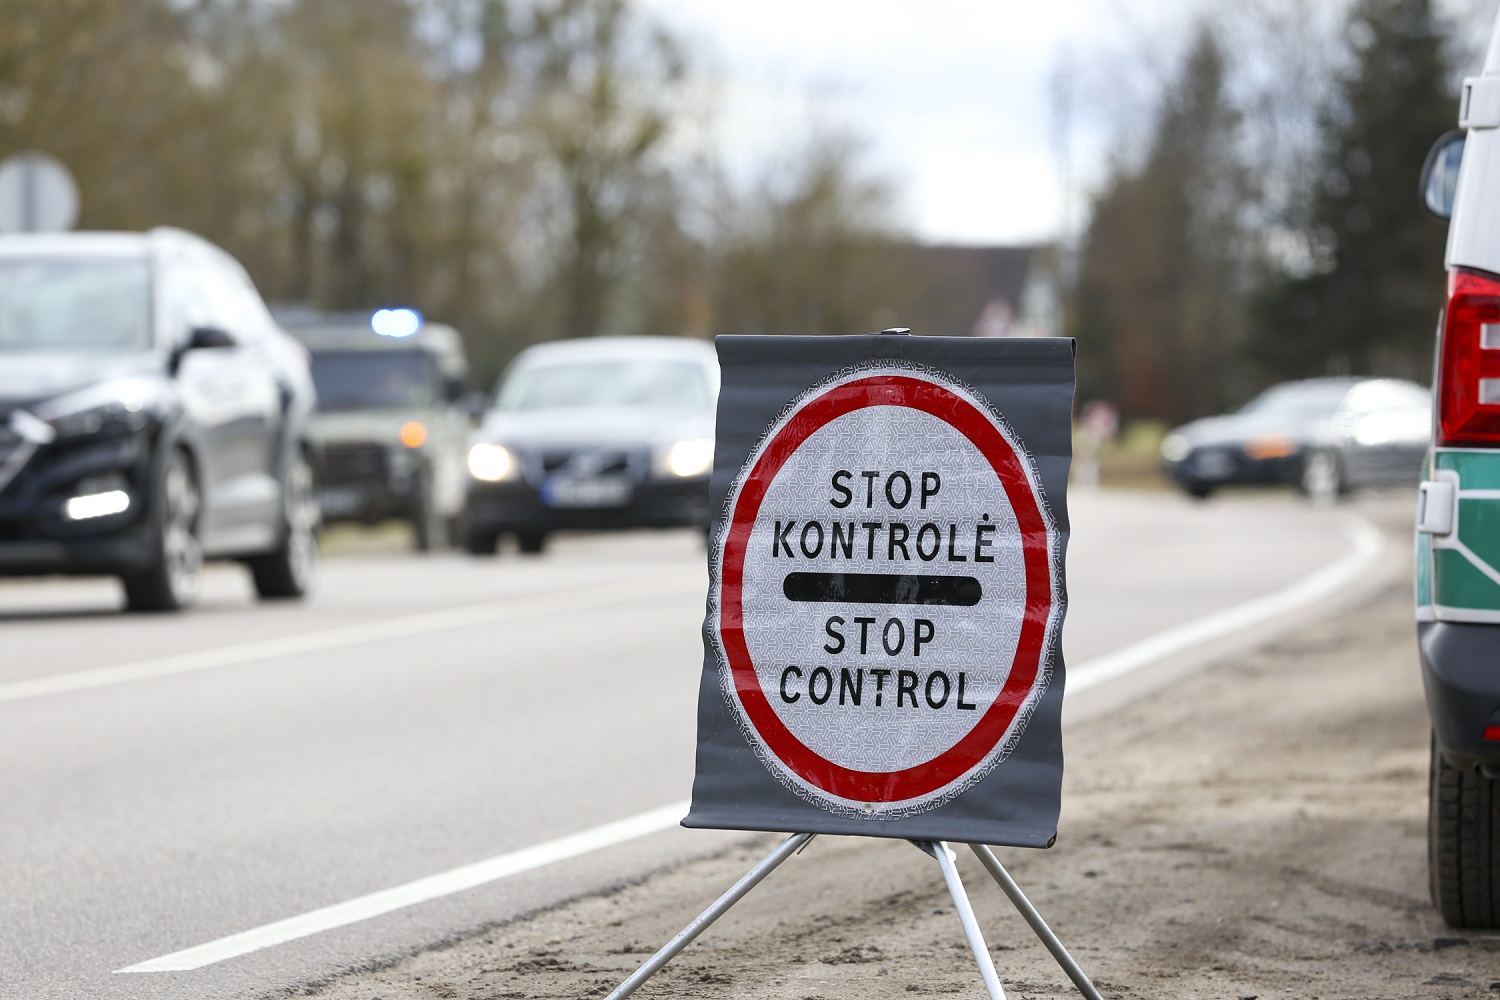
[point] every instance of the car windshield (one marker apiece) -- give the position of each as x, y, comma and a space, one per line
75, 305
1298, 402
373, 380
643, 384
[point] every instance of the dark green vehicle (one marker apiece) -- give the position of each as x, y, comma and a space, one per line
390, 422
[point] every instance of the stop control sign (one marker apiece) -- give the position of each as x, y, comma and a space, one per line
885, 592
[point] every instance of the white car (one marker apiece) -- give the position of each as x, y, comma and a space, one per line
599, 434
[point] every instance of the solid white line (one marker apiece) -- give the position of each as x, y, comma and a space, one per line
588, 598
1366, 548
420, 891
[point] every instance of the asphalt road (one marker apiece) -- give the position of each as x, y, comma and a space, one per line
168, 781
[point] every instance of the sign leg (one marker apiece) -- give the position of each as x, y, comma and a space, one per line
945, 856
752, 878
1048, 938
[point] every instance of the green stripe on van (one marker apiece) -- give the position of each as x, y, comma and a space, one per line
1457, 583
1477, 470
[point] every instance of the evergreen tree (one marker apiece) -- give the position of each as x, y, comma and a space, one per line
1368, 303
1160, 291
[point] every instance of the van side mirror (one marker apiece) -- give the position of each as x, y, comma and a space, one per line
1440, 174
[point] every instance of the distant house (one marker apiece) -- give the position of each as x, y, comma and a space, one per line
967, 291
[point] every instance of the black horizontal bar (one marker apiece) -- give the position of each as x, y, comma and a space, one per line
882, 588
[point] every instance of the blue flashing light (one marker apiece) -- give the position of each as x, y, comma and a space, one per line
396, 322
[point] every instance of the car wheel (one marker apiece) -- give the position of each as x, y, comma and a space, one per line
481, 543
532, 543
1199, 491
289, 571
1322, 478
174, 582
1463, 844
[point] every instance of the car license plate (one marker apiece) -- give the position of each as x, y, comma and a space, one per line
339, 501
1214, 465
596, 492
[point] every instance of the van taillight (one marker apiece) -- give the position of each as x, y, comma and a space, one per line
1469, 382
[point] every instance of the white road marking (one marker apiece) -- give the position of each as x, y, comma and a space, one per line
511, 609
1473, 558
1367, 546
1366, 549
423, 889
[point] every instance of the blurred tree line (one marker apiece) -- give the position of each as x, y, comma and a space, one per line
508, 166
527, 170
1263, 223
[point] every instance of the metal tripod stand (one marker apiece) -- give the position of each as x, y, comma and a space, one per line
945, 858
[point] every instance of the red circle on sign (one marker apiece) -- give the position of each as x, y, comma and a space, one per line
979, 741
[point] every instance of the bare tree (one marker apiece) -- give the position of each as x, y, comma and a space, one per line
807, 248
501, 164
601, 111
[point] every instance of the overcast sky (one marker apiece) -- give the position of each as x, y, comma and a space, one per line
957, 98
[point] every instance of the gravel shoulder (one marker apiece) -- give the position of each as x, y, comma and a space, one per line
1257, 830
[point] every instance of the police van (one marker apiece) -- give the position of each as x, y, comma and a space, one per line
390, 422
1458, 519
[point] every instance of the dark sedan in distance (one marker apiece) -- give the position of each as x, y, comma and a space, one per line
1327, 436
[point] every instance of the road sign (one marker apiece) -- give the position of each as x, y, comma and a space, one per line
886, 588
37, 195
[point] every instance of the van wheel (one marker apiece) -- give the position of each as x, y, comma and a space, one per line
531, 543
289, 570
1463, 845
174, 582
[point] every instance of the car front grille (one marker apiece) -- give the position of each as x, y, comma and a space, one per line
1215, 463
353, 463
586, 462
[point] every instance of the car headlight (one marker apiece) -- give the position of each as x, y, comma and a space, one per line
690, 457
1175, 447
115, 417
110, 408
490, 463
98, 496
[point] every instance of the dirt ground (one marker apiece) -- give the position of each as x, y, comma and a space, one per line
1257, 831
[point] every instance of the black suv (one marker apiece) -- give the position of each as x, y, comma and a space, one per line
152, 416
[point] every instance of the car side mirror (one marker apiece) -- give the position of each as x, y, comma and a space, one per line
453, 388
198, 339
1440, 174
207, 338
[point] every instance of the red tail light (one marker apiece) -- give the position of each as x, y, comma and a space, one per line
1469, 382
